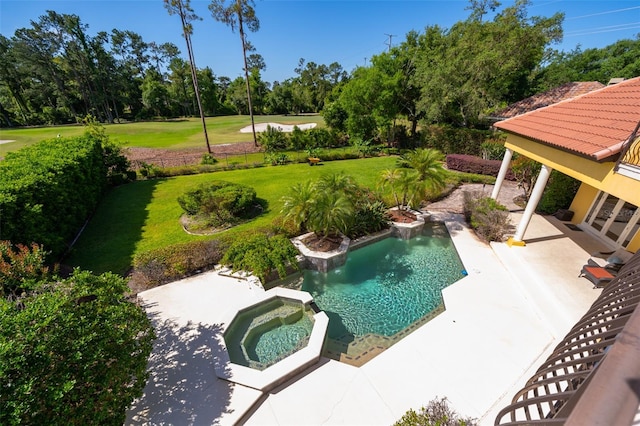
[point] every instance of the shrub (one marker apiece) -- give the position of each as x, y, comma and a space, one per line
369, 217
486, 216
364, 148
21, 267
492, 149
525, 172
335, 116
472, 164
454, 140
273, 139
319, 138
559, 193
436, 413
260, 254
208, 159
278, 159
170, 263
48, 190
72, 352
218, 203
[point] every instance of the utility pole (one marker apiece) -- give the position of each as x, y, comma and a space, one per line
389, 42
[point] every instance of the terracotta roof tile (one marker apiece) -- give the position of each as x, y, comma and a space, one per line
550, 97
594, 125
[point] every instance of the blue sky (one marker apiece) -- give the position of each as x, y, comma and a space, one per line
322, 31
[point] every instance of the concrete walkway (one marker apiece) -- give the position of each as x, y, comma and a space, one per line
500, 322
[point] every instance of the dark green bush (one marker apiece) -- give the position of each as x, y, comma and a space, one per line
48, 190
273, 139
492, 149
369, 217
219, 202
73, 352
167, 264
558, 194
260, 254
298, 139
486, 216
454, 140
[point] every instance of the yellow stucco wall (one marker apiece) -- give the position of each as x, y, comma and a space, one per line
582, 201
597, 175
593, 175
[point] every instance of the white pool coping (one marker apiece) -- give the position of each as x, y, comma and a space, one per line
500, 323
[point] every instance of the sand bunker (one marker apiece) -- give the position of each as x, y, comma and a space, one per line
261, 127
6, 141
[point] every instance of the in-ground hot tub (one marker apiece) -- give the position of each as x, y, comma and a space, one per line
272, 339
266, 333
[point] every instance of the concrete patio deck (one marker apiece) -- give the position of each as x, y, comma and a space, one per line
500, 322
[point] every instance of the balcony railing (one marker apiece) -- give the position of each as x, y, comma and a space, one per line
628, 163
594, 373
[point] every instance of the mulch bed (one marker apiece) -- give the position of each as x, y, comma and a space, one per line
323, 244
401, 216
186, 157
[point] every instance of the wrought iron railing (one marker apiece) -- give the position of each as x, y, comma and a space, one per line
630, 155
562, 382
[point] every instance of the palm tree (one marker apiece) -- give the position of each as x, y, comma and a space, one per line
388, 180
239, 13
428, 165
184, 10
298, 204
337, 182
405, 186
331, 214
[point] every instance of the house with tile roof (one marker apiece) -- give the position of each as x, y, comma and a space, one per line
595, 139
557, 94
591, 376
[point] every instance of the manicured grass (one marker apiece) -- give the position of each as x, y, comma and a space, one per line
144, 215
176, 134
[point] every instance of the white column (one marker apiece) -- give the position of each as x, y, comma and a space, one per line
534, 199
504, 168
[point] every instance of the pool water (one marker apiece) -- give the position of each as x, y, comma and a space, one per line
387, 286
267, 333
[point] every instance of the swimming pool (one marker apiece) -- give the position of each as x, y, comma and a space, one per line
385, 289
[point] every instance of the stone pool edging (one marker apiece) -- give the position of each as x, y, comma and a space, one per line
284, 369
406, 231
325, 261
320, 260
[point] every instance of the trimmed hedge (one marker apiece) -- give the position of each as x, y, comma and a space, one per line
49, 189
477, 165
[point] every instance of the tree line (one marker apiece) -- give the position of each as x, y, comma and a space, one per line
55, 71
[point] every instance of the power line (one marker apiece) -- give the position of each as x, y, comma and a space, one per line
607, 29
604, 13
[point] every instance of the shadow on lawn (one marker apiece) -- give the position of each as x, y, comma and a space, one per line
183, 388
109, 240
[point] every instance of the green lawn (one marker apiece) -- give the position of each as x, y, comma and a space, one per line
177, 134
144, 215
